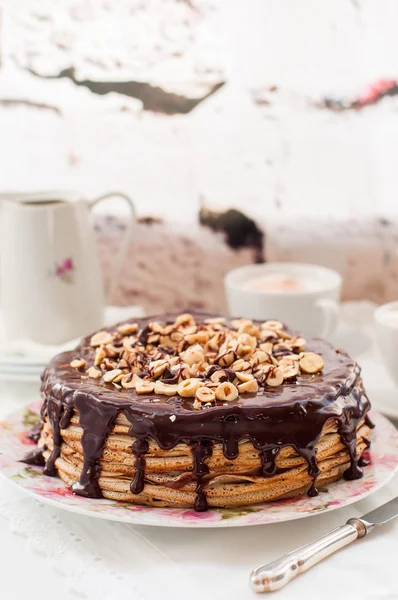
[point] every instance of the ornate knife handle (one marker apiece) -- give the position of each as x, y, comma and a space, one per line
275, 575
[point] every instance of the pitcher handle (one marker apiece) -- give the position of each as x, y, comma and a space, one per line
124, 244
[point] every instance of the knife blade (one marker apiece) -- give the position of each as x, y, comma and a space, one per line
382, 514
275, 575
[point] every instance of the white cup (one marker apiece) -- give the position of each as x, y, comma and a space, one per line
313, 312
386, 318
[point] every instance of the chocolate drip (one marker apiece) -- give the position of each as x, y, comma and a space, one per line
368, 422
363, 462
200, 504
54, 411
348, 431
35, 457
200, 452
35, 432
96, 419
291, 415
309, 455
143, 335
268, 460
139, 448
312, 492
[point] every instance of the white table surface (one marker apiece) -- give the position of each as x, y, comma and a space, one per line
217, 562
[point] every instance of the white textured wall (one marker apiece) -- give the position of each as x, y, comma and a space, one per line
286, 157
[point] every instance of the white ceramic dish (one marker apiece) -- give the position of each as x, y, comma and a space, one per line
25, 360
14, 444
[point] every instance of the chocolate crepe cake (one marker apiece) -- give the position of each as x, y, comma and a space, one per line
197, 411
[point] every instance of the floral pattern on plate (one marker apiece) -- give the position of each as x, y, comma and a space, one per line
15, 443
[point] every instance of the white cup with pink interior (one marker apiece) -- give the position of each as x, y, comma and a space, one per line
305, 297
386, 319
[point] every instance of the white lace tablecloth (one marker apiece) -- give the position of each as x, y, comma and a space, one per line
77, 556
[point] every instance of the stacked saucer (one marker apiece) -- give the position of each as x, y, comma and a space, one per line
24, 360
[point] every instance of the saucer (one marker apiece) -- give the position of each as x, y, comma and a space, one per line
24, 360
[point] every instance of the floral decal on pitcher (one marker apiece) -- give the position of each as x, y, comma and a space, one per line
64, 270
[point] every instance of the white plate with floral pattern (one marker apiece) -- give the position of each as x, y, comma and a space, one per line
15, 443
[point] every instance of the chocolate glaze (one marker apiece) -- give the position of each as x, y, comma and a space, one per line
290, 415
139, 448
35, 457
35, 432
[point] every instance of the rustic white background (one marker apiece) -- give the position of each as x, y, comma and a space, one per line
259, 143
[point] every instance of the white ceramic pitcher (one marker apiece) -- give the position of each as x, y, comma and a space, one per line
51, 287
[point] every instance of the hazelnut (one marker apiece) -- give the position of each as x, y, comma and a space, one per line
263, 369
247, 340
142, 386
165, 389
244, 377
250, 329
168, 329
311, 362
298, 344
289, 371
248, 387
266, 347
219, 376
166, 342
129, 381
215, 321
184, 319
155, 327
200, 337
158, 367
111, 351
268, 334
274, 325
244, 350
259, 357
108, 364
94, 373
185, 373
102, 337
205, 394
128, 343
197, 404
289, 359
110, 376
241, 365
236, 323
284, 335
176, 336
188, 387
275, 377
128, 328
192, 355
78, 363
227, 391
226, 359
215, 342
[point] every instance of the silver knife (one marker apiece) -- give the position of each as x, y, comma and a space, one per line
275, 575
